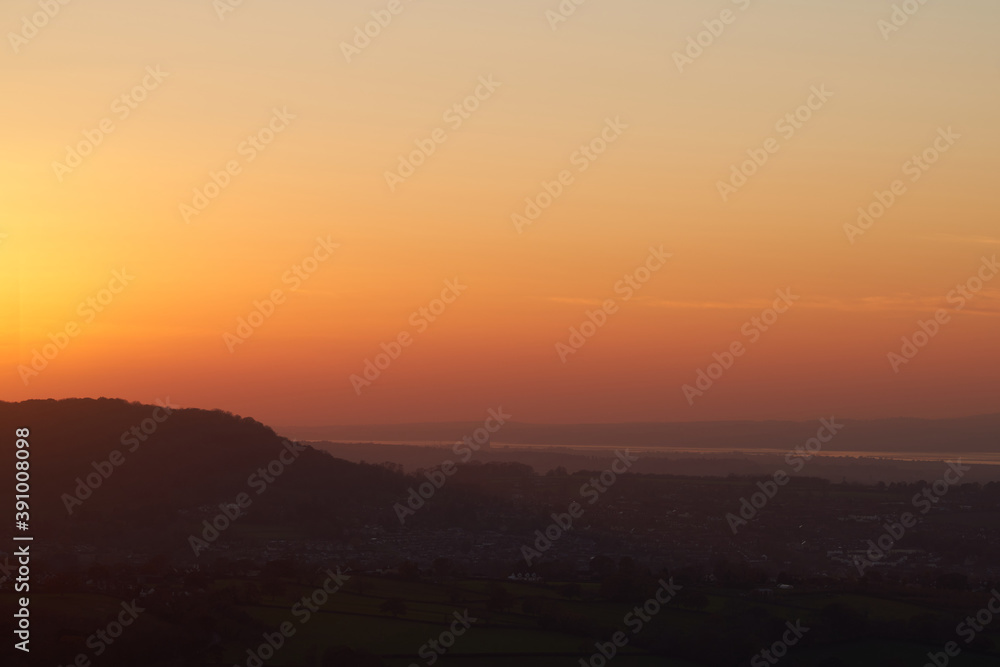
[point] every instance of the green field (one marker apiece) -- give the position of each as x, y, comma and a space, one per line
532, 625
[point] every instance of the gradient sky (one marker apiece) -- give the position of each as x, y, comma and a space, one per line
656, 186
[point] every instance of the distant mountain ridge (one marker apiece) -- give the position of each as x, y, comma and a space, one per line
980, 433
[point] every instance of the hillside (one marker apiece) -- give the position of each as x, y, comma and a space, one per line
94, 478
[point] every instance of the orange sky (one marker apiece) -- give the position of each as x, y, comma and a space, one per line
197, 87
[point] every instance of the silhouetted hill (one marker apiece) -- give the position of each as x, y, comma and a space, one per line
188, 464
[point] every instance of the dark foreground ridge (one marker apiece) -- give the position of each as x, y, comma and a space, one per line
167, 536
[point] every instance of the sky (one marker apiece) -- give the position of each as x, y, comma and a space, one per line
170, 168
